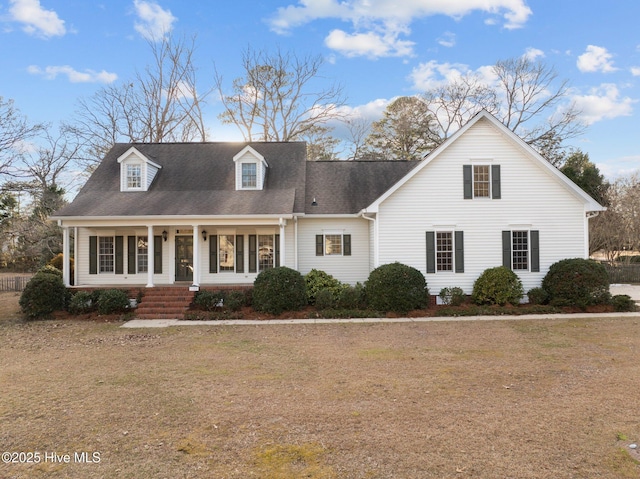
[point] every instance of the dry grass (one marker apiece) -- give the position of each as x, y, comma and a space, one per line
521, 399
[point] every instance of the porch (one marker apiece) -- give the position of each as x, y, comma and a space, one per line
218, 255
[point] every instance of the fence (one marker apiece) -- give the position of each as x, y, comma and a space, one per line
13, 283
623, 273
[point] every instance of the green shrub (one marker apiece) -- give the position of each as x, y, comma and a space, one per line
81, 303
351, 297
209, 300
42, 295
279, 289
112, 301
325, 299
396, 287
538, 296
623, 302
577, 282
48, 269
235, 300
499, 286
317, 280
452, 296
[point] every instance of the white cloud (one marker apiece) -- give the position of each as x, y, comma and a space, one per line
35, 19
533, 54
368, 44
433, 74
74, 76
377, 21
635, 71
603, 103
154, 22
447, 39
596, 59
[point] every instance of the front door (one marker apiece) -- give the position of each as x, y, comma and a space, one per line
184, 258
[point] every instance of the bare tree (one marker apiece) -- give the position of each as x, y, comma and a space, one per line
618, 229
529, 94
277, 99
358, 130
454, 103
15, 130
162, 103
526, 96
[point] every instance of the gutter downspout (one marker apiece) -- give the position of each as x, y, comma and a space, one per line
588, 216
376, 252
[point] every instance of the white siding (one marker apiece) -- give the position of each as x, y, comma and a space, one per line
348, 269
532, 199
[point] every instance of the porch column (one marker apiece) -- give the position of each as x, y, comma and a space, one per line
283, 223
196, 255
75, 256
150, 256
66, 257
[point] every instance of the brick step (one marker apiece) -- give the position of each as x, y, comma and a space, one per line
164, 303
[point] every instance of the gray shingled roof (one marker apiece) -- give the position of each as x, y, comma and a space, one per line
346, 187
195, 179
199, 179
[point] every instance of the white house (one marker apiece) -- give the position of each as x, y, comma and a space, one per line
219, 213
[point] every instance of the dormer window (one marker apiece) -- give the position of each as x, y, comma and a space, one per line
249, 175
134, 176
251, 169
136, 171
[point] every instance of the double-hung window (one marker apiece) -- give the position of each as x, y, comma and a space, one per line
521, 250
227, 252
445, 251
265, 252
249, 175
333, 244
481, 181
106, 254
142, 253
134, 176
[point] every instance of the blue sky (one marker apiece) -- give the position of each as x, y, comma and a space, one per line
57, 51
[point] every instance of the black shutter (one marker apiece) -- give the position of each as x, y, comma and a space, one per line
431, 252
495, 182
277, 248
467, 182
319, 245
239, 253
93, 255
119, 254
506, 249
213, 253
157, 254
535, 251
253, 254
131, 254
459, 251
347, 245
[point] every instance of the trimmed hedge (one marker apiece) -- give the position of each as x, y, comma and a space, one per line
43, 294
317, 280
396, 287
499, 286
279, 289
111, 301
577, 282
452, 296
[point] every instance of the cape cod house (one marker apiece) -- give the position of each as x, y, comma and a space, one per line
219, 213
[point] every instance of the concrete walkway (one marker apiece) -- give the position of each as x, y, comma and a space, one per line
632, 290
164, 323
